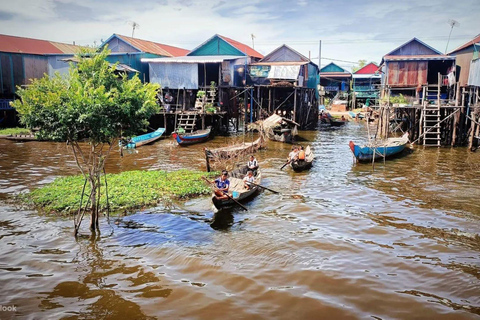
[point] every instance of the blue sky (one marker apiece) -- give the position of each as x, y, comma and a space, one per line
349, 30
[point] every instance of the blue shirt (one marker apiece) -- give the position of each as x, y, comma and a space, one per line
222, 184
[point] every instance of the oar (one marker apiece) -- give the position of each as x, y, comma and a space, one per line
285, 164
236, 201
258, 185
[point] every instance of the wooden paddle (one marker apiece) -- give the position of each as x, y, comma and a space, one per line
285, 164
230, 197
258, 185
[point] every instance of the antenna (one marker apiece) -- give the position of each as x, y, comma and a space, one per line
134, 26
452, 23
253, 41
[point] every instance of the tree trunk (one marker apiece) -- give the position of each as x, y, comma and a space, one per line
94, 205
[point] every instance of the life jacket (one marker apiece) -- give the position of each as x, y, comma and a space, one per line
301, 155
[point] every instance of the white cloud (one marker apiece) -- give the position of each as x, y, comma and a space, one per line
349, 30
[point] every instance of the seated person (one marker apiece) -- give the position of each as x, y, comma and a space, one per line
252, 164
301, 154
221, 185
248, 178
292, 156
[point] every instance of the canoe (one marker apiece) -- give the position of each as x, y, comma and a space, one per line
198, 136
354, 115
379, 150
237, 190
337, 123
138, 141
301, 165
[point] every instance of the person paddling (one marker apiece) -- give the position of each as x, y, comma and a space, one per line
221, 185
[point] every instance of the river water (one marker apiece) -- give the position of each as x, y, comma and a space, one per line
341, 241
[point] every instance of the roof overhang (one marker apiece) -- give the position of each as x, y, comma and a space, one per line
280, 63
418, 58
335, 75
367, 76
193, 59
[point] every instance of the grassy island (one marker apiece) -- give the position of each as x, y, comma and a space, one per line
14, 131
126, 190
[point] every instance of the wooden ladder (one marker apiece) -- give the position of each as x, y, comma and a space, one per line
431, 116
187, 121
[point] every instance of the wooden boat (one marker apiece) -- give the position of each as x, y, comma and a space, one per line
337, 123
231, 154
138, 141
237, 190
379, 150
301, 165
354, 115
198, 136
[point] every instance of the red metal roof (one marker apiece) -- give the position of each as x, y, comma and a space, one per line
370, 68
243, 47
468, 44
34, 46
154, 47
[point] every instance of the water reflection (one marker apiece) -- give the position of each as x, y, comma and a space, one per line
222, 220
336, 240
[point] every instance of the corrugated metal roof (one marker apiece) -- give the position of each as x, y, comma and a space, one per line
34, 46
335, 75
192, 59
154, 47
243, 47
67, 48
418, 58
280, 63
370, 68
468, 44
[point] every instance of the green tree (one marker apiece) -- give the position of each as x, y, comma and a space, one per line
361, 63
90, 109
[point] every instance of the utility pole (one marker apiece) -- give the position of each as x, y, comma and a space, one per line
253, 41
319, 54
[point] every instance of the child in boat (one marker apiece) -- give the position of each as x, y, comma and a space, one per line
293, 155
221, 185
252, 164
301, 154
248, 178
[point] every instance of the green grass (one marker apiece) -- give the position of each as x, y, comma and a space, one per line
9, 131
126, 190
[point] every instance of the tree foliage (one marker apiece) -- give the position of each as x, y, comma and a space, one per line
361, 63
94, 104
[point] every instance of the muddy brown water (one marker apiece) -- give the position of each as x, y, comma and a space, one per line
341, 241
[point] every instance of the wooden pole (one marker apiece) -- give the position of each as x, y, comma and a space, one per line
294, 105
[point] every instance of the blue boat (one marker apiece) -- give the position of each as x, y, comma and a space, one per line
138, 141
185, 139
354, 115
386, 149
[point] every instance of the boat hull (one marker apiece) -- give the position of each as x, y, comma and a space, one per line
192, 138
301, 165
144, 139
236, 184
368, 153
